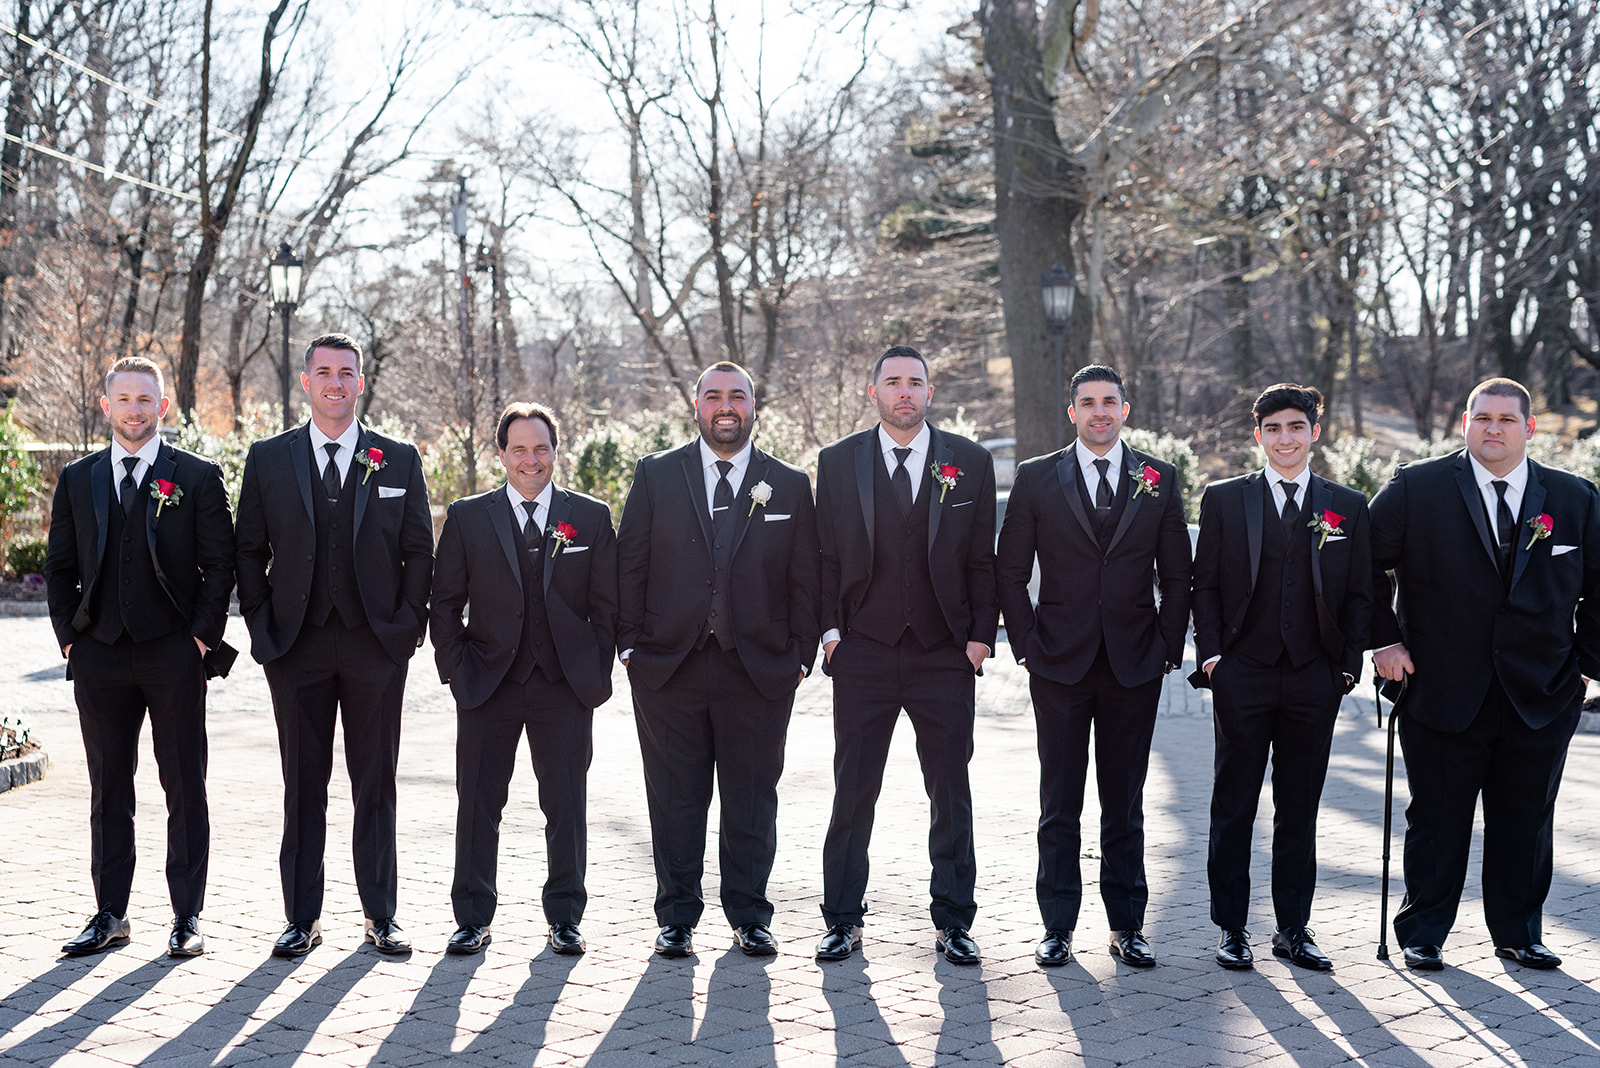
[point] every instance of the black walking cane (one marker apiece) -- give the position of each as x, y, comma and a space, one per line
1388, 803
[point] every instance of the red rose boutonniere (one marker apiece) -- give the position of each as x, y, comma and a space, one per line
1325, 524
945, 475
563, 535
165, 493
1542, 526
1146, 481
372, 460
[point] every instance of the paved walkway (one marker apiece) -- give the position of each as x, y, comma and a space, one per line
896, 1004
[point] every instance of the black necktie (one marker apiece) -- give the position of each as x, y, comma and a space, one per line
128, 488
1504, 520
330, 474
722, 496
530, 530
1102, 495
900, 481
1291, 510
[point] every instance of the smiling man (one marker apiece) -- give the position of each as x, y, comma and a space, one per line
138, 572
1496, 563
717, 561
335, 555
524, 624
1106, 525
1282, 605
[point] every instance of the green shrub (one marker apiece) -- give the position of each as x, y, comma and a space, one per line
1177, 452
25, 556
20, 480
1355, 462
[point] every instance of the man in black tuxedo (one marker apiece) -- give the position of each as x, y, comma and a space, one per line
1106, 526
905, 519
1496, 624
717, 564
524, 622
138, 572
1282, 604
341, 516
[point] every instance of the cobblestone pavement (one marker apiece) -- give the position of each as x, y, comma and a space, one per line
895, 1004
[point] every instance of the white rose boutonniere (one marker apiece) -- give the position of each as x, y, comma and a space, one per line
760, 494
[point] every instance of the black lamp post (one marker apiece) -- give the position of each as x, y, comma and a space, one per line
1058, 288
283, 277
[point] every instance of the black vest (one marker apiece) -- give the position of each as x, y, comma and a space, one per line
1282, 616
127, 594
1104, 524
900, 595
719, 621
333, 579
536, 648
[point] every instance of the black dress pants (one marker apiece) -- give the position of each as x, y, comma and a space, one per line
332, 670
560, 734
709, 722
1517, 770
1287, 714
1124, 719
114, 685
872, 682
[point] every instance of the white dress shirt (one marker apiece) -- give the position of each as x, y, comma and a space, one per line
1302, 496
1091, 473
914, 462
541, 513
708, 464
1516, 481
346, 453
147, 458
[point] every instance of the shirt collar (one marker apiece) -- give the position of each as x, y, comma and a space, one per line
1516, 479
740, 461
1087, 457
919, 444
147, 452
347, 440
543, 500
1302, 480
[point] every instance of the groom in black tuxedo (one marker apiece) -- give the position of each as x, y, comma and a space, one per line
1106, 525
335, 554
138, 572
717, 565
905, 518
1496, 560
1282, 604
524, 623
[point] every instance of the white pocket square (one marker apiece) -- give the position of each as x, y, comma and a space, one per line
575, 549
963, 504
391, 491
776, 517
1557, 550
1336, 537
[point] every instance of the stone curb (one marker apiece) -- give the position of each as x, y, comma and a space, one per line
23, 770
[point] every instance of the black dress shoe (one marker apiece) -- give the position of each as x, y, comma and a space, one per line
1130, 947
675, 941
1423, 958
957, 946
186, 940
841, 940
1298, 945
468, 940
756, 940
1054, 949
387, 937
103, 931
297, 941
1531, 956
566, 940
1233, 948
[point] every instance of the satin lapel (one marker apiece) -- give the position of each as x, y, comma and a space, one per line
754, 472
940, 449
1532, 506
501, 518
166, 463
1067, 475
560, 508
100, 490
300, 460
1474, 499
1321, 501
694, 478
864, 483
1137, 463
1252, 521
362, 475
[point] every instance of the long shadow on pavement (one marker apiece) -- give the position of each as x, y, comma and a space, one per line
428, 1026
1366, 1036
226, 1020
291, 1031
30, 997
967, 1034
50, 1044
859, 1029
658, 1017
1522, 1015
738, 1011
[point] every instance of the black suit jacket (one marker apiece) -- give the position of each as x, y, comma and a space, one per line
1228, 557
1087, 595
275, 542
665, 570
476, 575
1453, 612
960, 533
191, 545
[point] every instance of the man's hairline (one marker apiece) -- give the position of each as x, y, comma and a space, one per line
112, 376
